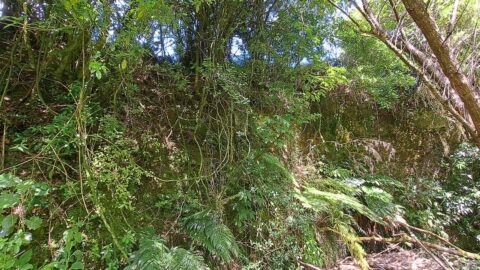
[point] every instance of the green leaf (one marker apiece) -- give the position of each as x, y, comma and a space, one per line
321, 200
33, 223
8, 200
153, 254
216, 237
26, 267
72, 237
186, 260
124, 63
70, 4
24, 258
7, 180
77, 265
9, 263
67, 5
8, 223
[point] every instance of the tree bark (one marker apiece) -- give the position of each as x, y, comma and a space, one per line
449, 65
427, 64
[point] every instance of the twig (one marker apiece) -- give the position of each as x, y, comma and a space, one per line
395, 246
309, 266
404, 224
432, 234
112, 233
405, 238
4, 137
348, 15
430, 253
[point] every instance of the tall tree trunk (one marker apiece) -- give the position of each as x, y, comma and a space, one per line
449, 65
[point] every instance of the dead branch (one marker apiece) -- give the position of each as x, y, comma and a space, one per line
405, 238
309, 266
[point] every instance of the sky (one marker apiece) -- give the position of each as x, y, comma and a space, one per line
238, 50
1, 8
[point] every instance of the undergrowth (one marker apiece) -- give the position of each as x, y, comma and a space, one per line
114, 159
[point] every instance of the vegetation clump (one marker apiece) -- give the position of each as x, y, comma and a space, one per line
214, 134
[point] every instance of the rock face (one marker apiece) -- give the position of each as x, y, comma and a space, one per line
401, 259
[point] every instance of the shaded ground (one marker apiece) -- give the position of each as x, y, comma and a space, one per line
397, 258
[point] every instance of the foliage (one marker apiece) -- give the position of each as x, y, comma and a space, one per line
153, 254
317, 85
22, 198
67, 256
114, 169
379, 201
216, 238
372, 66
212, 135
322, 201
57, 138
450, 205
333, 205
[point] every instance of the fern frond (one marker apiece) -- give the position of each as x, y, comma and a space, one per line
333, 204
384, 181
153, 254
380, 201
182, 259
345, 186
215, 237
321, 201
350, 238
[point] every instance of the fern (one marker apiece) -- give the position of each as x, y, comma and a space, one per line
153, 254
348, 186
380, 201
384, 181
215, 237
350, 238
182, 259
333, 205
337, 172
322, 201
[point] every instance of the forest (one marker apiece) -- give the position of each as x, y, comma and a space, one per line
240, 134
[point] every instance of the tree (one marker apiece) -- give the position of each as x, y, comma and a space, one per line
439, 43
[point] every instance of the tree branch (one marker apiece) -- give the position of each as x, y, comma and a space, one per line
405, 238
348, 16
447, 63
